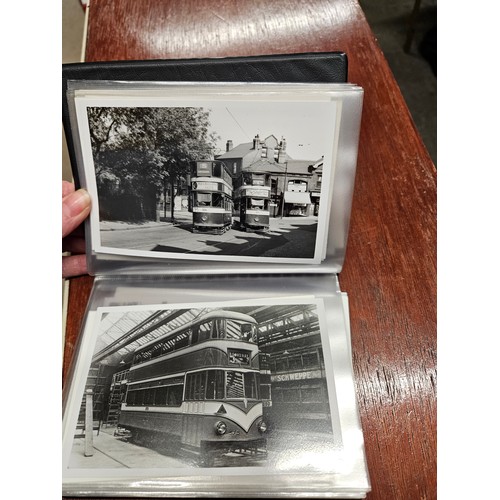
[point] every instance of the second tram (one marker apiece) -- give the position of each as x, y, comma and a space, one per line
211, 196
197, 389
252, 196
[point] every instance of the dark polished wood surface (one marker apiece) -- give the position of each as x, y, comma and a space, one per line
390, 269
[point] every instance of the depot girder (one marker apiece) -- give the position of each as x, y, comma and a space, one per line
121, 333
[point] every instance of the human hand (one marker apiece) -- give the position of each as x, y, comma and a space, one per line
75, 209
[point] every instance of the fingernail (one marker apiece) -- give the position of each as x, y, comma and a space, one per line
77, 201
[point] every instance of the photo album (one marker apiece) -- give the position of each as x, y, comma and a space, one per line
214, 358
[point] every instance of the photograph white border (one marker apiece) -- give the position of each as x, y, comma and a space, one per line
199, 95
336, 462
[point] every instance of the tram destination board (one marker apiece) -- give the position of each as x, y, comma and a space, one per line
233, 396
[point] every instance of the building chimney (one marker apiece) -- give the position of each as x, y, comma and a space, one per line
256, 142
229, 145
282, 151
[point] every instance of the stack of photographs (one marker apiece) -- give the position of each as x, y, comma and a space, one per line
214, 358
189, 178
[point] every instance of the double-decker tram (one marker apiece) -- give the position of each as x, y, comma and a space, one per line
211, 196
197, 389
251, 196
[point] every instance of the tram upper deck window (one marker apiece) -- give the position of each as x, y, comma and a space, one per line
217, 170
203, 331
248, 332
218, 328
140, 357
258, 180
240, 331
182, 340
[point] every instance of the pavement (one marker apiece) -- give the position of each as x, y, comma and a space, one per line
289, 237
285, 450
111, 452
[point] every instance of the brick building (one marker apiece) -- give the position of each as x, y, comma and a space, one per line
295, 184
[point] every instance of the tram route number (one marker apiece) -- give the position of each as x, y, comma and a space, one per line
239, 357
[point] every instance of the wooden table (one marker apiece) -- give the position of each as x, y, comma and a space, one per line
390, 269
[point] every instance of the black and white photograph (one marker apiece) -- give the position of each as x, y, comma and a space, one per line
193, 174
202, 386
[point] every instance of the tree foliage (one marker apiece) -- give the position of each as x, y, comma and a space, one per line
136, 148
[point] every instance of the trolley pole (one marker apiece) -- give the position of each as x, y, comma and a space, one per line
284, 189
89, 424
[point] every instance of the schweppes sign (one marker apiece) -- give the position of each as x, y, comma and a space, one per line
284, 377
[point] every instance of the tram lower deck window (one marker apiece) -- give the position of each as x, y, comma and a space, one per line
215, 384
156, 396
216, 200
202, 199
220, 384
234, 387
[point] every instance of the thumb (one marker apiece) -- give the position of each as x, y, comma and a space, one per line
75, 209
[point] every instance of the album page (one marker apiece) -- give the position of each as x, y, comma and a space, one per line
247, 390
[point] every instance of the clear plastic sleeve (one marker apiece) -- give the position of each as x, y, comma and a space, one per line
312, 444
322, 117
215, 355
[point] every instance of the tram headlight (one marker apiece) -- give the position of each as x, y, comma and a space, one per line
262, 426
256, 219
220, 428
204, 218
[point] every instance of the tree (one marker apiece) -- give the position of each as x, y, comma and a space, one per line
155, 145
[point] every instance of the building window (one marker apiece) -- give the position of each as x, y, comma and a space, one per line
311, 394
310, 360
295, 363
297, 185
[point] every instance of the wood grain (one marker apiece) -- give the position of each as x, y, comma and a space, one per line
390, 269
